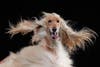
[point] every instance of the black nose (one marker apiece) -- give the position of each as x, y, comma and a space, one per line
54, 29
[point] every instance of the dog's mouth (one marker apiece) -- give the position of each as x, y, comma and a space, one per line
54, 35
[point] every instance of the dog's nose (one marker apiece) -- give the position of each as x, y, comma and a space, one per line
54, 29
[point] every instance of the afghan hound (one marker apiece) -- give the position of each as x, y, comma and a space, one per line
51, 34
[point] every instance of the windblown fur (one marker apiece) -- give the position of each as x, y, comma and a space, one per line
48, 52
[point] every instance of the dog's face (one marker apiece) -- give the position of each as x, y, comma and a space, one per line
52, 22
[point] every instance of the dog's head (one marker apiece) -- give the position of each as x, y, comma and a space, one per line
52, 22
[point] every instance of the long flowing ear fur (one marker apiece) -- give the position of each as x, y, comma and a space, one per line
23, 27
72, 38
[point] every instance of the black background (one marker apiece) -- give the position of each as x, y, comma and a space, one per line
82, 17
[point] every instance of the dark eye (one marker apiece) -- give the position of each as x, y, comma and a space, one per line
57, 21
49, 21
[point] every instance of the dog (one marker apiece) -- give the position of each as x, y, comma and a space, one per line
51, 34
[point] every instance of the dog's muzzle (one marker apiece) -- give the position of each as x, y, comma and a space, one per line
54, 33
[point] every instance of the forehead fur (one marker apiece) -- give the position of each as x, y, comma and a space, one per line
51, 15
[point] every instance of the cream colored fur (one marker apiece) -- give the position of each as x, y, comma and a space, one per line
48, 52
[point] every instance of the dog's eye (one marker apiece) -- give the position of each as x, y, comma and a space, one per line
57, 21
49, 21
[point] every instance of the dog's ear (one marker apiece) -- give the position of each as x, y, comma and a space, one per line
23, 27
72, 38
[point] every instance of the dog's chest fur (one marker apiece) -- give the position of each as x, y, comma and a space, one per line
37, 56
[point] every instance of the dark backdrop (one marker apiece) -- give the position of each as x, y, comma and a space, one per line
82, 17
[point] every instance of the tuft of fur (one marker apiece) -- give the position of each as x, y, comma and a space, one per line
73, 39
23, 27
